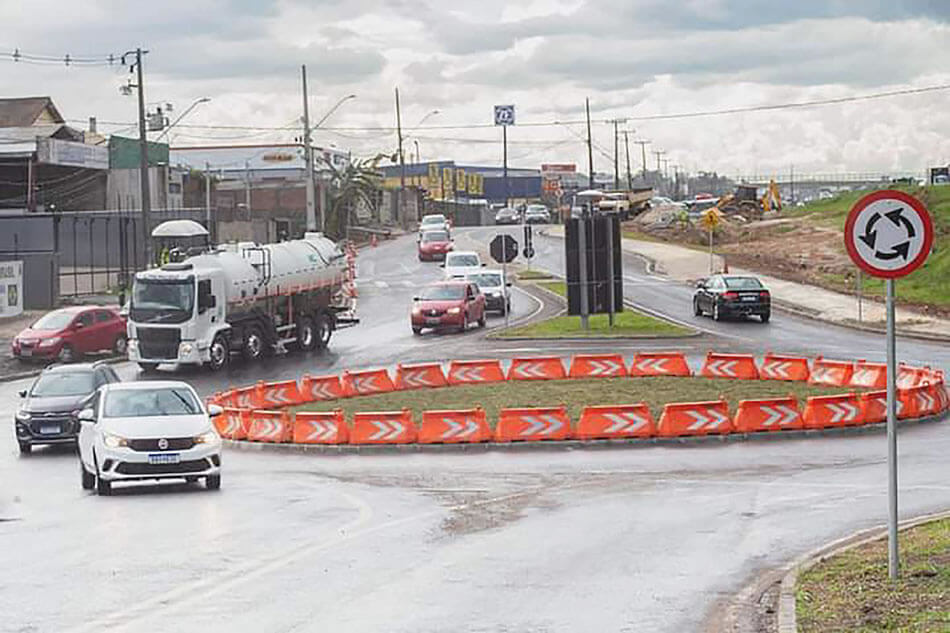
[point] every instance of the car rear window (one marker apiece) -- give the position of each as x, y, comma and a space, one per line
486, 279
71, 383
462, 260
435, 236
743, 283
443, 293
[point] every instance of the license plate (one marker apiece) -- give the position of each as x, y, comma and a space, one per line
749, 298
164, 458
25, 352
433, 321
52, 429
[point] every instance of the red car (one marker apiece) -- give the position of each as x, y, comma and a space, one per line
433, 245
448, 304
68, 333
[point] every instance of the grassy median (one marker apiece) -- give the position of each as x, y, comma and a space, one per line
851, 591
575, 394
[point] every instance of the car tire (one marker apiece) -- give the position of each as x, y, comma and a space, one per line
417, 331
324, 330
148, 368
103, 487
25, 448
220, 353
213, 482
120, 346
765, 317
715, 315
67, 354
87, 479
306, 334
481, 321
697, 311
253, 347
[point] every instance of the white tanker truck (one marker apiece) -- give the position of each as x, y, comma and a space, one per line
238, 298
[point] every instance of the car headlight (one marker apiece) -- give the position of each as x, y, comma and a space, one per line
186, 349
454, 311
114, 441
49, 342
208, 437
133, 344
23, 416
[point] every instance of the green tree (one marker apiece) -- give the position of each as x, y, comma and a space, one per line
356, 181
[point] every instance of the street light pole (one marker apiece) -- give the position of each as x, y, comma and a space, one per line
402, 162
590, 150
308, 155
626, 142
643, 151
181, 116
143, 156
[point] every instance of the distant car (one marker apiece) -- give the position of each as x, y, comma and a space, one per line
67, 334
460, 263
507, 215
448, 305
148, 430
722, 296
537, 214
47, 414
662, 202
434, 222
495, 287
434, 245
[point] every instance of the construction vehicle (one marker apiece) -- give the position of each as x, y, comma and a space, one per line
745, 201
626, 203
240, 298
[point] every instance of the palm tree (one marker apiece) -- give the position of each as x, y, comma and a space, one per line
355, 182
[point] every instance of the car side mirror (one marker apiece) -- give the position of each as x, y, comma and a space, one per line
214, 410
508, 283
87, 415
22, 393
442, 265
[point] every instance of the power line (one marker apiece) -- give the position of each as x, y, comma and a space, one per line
67, 59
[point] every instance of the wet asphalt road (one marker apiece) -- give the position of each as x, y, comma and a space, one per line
621, 539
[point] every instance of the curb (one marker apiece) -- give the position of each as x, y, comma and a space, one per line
567, 445
787, 616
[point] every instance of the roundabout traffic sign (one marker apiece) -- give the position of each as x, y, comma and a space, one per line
888, 234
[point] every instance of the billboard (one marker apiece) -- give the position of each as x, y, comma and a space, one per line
11, 288
71, 154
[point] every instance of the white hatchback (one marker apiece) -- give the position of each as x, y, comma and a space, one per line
148, 430
458, 264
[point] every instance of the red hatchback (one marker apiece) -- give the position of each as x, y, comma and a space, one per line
68, 333
448, 304
433, 245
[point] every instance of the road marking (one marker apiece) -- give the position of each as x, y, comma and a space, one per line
381, 284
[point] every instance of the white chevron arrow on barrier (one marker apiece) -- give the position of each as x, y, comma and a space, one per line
604, 367
362, 384
468, 374
780, 414
277, 396
387, 430
723, 367
656, 364
707, 418
530, 370
321, 429
459, 429
541, 425
777, 368
244, 401
883, 402
233, 423
842, 412
416, 378
270, 430
624, 422
321, 391
925, 401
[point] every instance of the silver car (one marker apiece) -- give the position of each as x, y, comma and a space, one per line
495, 287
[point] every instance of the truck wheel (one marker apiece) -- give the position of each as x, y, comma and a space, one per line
253, 343
220, 353
120, 346
148, 368
323, 330
306, 334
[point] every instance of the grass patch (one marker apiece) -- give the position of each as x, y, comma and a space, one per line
851, 591
575, 394
529, 275
557, 287
628, 323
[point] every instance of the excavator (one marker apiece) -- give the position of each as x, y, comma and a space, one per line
745, 201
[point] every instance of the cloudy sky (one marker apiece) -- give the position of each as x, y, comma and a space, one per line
634, 59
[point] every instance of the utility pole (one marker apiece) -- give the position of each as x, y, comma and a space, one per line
247, 188
626, 143
791, 184
402, 162
643, 152
616, 123
308, 160
590, 150
659, 173
143, 159
208, 197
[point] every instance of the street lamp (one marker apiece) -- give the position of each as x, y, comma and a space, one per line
416, 143
332, 110
181, 116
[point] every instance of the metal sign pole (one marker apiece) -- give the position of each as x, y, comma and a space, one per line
610, 270
582, 256
504, 290
893, 564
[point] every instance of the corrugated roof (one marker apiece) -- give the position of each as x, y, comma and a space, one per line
23, 111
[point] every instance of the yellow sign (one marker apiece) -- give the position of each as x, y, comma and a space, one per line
460, 180
433, 177
711, 218
472, 184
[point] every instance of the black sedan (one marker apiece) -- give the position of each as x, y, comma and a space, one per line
723, 296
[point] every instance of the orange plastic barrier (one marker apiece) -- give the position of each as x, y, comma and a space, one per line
874, 406
598, 366
452, 427
836, 373
830, 411
531, 424
384, 427
774, 414
943, 398
366, 381
908, 376
275, 395
611, 422
776, 367
466, 372
540, 368
922, 400
865, 374
320, 428
232, 424
313, 388
419, 376
660, 364
694, 418
730, 366
244, 398
270, 426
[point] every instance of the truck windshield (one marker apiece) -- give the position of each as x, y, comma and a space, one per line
162, 300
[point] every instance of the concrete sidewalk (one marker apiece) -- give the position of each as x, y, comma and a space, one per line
685, 265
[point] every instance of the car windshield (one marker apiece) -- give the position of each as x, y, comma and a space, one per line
55, 320
462, 260
743, 283
139, 403
71, 383
435, 236
162, 300
443, 293
433, 219
489, 280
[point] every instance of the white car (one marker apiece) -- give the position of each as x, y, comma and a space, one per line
495, 287
148, 430
458, 264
